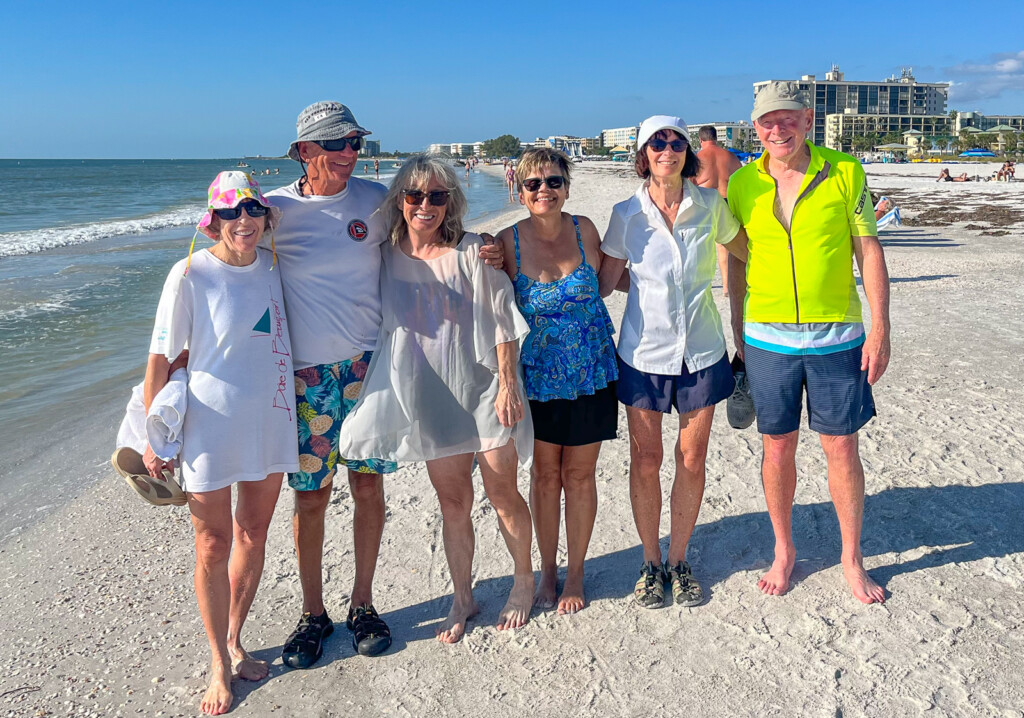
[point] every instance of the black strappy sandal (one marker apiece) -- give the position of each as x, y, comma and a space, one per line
370, 635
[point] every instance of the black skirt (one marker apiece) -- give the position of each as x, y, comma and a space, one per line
577, 422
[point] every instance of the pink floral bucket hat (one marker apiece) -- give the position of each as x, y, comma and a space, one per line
227, 191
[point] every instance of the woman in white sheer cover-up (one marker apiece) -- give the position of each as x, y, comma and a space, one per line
444, 384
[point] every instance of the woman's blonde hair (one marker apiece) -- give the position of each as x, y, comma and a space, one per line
535, 158
417, 172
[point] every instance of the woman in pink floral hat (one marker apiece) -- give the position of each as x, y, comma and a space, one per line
224, 306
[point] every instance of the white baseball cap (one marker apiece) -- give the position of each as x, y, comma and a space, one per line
653, 125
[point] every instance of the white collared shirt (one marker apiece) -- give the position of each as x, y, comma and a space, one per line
671, 319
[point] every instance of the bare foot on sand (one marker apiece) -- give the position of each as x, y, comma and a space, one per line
218, 696
520, 600
776, 581
453, 627
544, 598
866, 590
572, 599
247, 667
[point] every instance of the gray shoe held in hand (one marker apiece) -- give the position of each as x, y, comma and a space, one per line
739, 408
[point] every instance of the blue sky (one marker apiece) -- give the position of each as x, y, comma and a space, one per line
119, 79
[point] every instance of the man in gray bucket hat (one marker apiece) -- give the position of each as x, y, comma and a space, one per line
325, 121
328, 246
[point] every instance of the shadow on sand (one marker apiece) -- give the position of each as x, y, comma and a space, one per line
939, 525
914, 238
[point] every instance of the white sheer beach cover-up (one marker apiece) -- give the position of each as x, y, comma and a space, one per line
430, 389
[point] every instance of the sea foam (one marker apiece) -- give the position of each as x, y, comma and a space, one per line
38, 240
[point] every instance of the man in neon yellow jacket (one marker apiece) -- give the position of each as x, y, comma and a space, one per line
797, 318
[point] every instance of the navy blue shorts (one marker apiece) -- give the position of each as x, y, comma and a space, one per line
839, 400
686, 392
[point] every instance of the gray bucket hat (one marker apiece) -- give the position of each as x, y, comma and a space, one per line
778, 95
324, 121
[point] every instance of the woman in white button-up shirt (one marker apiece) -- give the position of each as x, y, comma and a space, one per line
671, 347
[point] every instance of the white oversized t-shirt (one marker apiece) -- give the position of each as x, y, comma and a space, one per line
328, 249
240, 421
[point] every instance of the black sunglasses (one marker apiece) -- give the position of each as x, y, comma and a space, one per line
553, 182
339, 145
658, 145
252, 208
437, 198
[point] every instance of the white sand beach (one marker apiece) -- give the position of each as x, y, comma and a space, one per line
98, 614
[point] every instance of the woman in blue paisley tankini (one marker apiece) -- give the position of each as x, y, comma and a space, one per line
569, 366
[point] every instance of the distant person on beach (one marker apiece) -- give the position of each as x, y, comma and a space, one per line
944, 176
716, 166
329, 248
510, 179
568, 365
225, 305
797, 318
882, 205
366, 168
672, 349
376, 169
445, 387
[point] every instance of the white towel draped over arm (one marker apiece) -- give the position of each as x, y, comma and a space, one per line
167, 415
132, 433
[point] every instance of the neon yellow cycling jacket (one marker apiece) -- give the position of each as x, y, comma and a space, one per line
805, 274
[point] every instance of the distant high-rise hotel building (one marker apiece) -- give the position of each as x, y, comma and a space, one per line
370, 148
843, 108
619, 137
985, 123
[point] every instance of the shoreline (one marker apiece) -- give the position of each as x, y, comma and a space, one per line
945, 479
98, 361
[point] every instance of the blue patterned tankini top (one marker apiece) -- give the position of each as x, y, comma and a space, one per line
569, 351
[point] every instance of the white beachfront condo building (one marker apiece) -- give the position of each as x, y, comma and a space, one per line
456, 149
570, 144
370, 148
620, 136
844, 108
732, 135
986, 123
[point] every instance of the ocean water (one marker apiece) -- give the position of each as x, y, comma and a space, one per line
85, 246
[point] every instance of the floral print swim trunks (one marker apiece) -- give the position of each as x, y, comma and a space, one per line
324, 395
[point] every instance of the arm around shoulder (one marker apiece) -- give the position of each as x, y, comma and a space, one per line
508, 247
